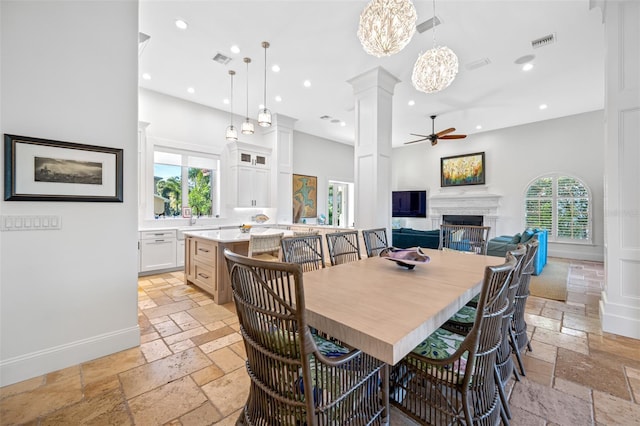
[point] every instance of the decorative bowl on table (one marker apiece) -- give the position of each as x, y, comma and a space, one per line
245, 228
261, 218
407, 258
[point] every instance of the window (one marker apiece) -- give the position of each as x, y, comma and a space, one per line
560, 204
184, 179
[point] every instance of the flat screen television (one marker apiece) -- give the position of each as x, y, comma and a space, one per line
409, 204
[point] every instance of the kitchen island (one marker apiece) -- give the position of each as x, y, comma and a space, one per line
205, 265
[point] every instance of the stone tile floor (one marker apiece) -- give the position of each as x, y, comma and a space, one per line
189, 368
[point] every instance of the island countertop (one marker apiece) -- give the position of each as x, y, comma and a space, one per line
234, 235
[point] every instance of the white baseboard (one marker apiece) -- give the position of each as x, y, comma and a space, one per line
34, 364
619, 319
568, 253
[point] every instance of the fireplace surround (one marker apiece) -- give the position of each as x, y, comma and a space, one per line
465, 204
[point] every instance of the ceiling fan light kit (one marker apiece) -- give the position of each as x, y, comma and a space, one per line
387, 26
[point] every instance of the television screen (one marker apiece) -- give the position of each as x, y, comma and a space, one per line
409, 204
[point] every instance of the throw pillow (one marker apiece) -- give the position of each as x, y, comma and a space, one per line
457, 235
526, 236
516, 238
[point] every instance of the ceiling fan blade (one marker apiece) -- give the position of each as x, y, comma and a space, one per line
453, 137
415, 134
444, 132
419, 140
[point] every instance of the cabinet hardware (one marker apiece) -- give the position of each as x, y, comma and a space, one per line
159, 241
204, 250
206, 277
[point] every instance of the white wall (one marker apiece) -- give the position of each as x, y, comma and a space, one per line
325, 159
514, 157
68, 73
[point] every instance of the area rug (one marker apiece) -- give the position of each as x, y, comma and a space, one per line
552, 282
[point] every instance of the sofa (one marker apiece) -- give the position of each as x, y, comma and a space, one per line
499, 246
408, 237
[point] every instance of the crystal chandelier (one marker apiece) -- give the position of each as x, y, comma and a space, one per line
386, 26
436, 69
247, 126
264, 115
231, 133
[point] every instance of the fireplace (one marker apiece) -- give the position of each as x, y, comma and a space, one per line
465, 204
458, 219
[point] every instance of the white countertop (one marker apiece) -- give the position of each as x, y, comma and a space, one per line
234, 235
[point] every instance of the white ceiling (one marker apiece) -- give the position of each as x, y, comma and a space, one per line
316, 40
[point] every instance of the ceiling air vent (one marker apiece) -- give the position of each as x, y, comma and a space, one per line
325, 117
428, 24
544, 41
221, 59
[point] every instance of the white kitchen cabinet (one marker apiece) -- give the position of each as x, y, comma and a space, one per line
157, 250
179, 253
250, 176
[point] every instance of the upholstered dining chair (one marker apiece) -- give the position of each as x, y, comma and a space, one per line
375, 240
466, 238
304, 250
449, 379
344, 247
265, 247
519, 335
297, 378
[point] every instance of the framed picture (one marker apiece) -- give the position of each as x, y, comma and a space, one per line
466, 169
305, 195
46, 170
186, 212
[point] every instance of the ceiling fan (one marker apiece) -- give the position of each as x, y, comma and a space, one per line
433, 137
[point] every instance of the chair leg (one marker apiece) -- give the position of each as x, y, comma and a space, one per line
386, 416
529, 345
517, 352
516, 375
505, 410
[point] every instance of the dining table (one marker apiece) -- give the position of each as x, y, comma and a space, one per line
385, 309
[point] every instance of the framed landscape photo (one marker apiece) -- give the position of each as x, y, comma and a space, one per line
465, 169
46, 170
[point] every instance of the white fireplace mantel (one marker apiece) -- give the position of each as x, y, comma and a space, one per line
466, 203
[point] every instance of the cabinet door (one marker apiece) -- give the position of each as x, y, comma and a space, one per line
157, 254
261, 187
180, 253
245, 187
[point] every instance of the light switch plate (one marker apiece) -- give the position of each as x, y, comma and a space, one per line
30, 223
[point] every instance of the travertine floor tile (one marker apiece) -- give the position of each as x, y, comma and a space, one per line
226, 359
542, 322
228, 393
204, 415
544, 352
521, 417
24, 386
212, 335
615, 411
634, 381
207, 374
169, 309
221, 342
616, 345
572, 388
167, 402
167, 328
560, 340
537, 370
104, 367
154, 350
580, 322
210, 313
107, 408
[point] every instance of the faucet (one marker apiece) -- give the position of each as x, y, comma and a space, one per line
192, 220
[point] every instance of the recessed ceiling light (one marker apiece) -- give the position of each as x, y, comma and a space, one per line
275, 68
191, 90
181, 24
543, 106
235, 49
225, 101
527, 67
146, 76
343, 124
307, 83
412, 102
278, 98
478, 127
261, 106
524, 59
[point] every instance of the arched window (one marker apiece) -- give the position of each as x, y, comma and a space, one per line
560, 204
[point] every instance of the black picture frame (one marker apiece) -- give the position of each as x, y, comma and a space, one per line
47, 170
464, 169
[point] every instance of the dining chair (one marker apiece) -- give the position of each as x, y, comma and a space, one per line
375, 240
296, 377
265, 247
519, 335
304, 250
449, 379
344, 247
465, 238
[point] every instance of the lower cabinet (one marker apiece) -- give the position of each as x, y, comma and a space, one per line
157, 250
206, 268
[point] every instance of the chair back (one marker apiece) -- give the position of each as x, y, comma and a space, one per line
466, 238
375, 240
292, 381
305, 250
265, 245
344, 247
522, 293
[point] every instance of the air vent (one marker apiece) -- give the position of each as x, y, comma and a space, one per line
477, 64
335, 120
221, 59
544, 41
325, 117
428, 24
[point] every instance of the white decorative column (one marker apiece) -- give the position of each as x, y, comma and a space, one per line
280, 136
373, 92
620, 304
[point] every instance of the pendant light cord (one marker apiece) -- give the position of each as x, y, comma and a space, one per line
434, 24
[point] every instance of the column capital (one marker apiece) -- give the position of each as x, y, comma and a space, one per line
376, 77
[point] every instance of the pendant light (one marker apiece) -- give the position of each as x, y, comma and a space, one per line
436, 69
264, 115
231, 133
386, 26
247, 126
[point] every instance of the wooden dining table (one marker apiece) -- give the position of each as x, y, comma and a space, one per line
385, 309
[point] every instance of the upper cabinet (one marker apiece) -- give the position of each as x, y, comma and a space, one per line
250, 175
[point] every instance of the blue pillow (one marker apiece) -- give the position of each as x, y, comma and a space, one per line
516, 238
526, 236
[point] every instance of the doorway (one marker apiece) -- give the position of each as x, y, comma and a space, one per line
340, 204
